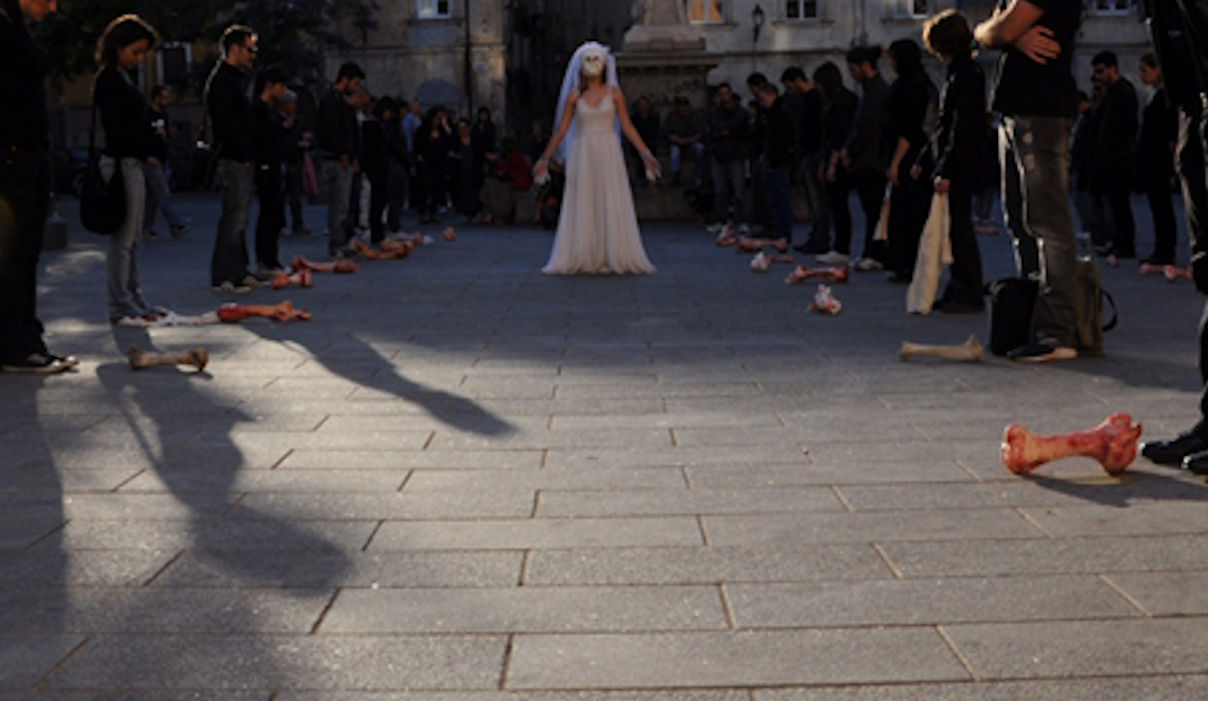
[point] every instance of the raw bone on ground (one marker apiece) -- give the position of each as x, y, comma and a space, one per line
762, 261
231, 313
748, 244
338, 266
374, 254
400, 249
825, 302
449, 234
1112, 443
834, 275
969, 351
726, 237
1172, 273
139, 359
300, 278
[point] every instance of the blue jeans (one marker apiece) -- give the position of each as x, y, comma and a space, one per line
121, 258
1035, 157
777, 180
697, 150
729, 178
229, 261
159, 197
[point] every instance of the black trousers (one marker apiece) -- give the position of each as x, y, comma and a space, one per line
870, 189
965, 273
25, 190
1161, 205
1115, 197
379, 195
1193, 173
271, 190
909, 204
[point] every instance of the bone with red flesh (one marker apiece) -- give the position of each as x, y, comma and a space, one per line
762, 261
747, 244
403, 247
139, 359
834, 275
1174, 273
971, 351
449, 234
725, 239
339, 266
824, 301
1112, 443
300, 278
374, 254
285, 311
1151, 269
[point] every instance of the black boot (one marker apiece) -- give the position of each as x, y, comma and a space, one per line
1193, 443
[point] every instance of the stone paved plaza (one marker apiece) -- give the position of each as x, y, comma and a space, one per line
466, 481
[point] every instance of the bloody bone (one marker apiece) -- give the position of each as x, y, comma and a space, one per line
1174, 273
231, 313
1112, 443
139, 359
726, 237
762, 261
1151, 269
824, 302
970, 351
300, 278
833, 275
401, 249
748, 244
375, 254
449, 234
339, 266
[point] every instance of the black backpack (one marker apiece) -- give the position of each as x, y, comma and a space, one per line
1013, 302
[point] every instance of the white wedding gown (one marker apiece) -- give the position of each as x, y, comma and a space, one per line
598, 227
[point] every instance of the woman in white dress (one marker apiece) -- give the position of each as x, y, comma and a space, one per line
598, 227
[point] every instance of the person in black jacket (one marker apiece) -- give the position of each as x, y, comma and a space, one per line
952, 162
231, 116
432, 141
862, 156
25, 186
839, 109
338, 135
804, 98
375, 159
1180, 33
911, 105
1155, 164
129, 143
268, 142
159, 195
1112, 166
729, 129
781, 151
1082, 145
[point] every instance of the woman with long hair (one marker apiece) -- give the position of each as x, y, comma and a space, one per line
598, 226
129, 143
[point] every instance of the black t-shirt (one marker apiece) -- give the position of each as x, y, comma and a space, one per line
1026, 88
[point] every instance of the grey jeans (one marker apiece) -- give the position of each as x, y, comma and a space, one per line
729, 179
159, 197
339, 196
1035, 157
121, 258
230, 260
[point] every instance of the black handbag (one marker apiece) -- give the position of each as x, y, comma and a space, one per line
102, 203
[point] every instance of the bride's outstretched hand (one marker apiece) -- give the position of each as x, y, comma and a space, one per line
541, 172
653, 170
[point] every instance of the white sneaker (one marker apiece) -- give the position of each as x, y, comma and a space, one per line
833, 258
715, 228
869, 265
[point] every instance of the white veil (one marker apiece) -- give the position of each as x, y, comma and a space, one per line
570, 83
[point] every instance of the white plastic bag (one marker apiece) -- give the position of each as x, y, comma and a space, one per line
935, 251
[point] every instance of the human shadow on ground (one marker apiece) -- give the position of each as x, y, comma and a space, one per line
460, 413
33, 559
1126, 489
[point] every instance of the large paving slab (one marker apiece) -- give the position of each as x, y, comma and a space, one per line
467, 481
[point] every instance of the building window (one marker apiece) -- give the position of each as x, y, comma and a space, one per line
801, 9
433, 9
706, 12
1111, 7
909, 9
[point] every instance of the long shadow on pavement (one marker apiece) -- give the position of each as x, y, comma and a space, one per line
1128, 489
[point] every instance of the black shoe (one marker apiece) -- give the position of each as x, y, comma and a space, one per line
1197, 463
1172, 451
812, 248
41, 364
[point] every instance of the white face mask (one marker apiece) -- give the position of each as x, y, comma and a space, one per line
593, 64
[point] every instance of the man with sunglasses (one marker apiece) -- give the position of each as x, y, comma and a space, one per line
231, 115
